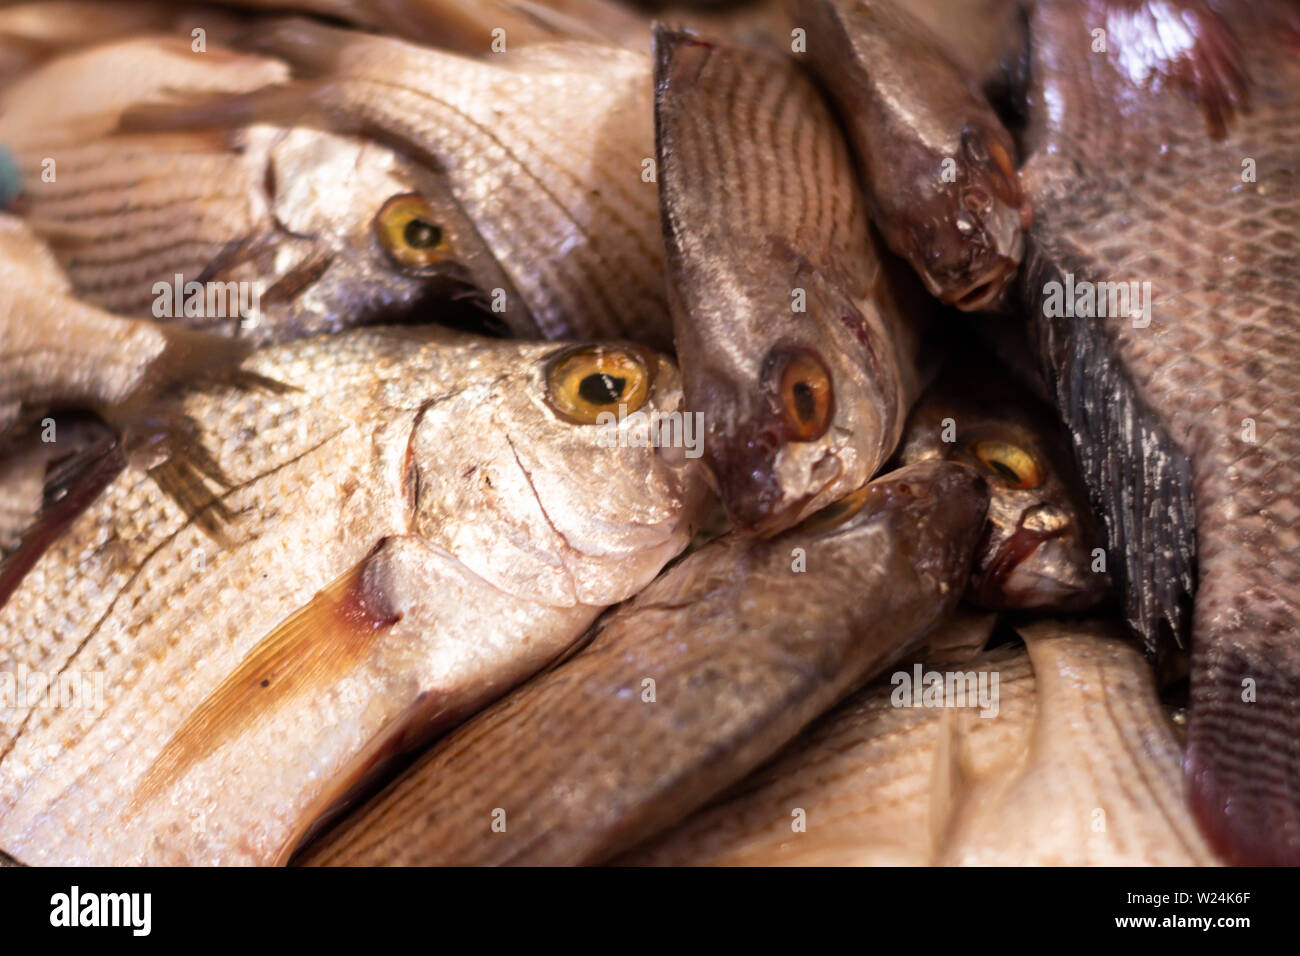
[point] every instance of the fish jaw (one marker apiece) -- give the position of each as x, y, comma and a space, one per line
552, 510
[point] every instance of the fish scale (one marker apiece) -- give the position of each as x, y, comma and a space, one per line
1129, 184
347, 490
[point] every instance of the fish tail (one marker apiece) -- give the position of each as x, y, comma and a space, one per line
1243, 749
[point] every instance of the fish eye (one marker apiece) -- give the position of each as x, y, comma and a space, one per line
805, 396
582, 383
408, 230
837, 512
1009, 462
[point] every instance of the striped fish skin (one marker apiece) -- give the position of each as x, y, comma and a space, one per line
686, 688
1174, 159
775, 284
549, 150
1079, 766
285, 231
478, 533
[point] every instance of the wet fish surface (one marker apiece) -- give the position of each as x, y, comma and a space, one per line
686, 688
1077, 764
793, 341
1163, 280
296, 585
261, 232
938, 164
1041, 543
575, 227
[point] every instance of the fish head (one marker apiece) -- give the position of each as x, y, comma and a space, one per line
567, 474
941, 505
962, 227
386, 239
807, 417
1037, 546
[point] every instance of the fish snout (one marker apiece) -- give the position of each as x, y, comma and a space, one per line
943, 504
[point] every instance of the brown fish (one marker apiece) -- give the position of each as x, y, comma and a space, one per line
1163, 280
549, 150
686, 688
1041, 546
261, 232
938, 165
1073, 763
319, 578
793, 342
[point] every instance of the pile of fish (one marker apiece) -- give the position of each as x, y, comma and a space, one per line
577, 432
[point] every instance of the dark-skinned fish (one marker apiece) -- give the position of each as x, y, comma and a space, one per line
938, 166
686, 688
794, 343
1041, 546
1167, 173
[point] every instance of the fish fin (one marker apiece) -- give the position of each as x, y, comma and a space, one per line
169, 447
1139, 480
70, 487
1243, 759
296, 103
288, 286
318, 642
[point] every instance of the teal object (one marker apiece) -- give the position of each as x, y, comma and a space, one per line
11, 180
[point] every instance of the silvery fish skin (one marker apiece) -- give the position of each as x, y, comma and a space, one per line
549, 150
938, 165
56, 350
1183, 416
686, 688
1079, 737
1039, 541
793, 343
261, 232
339, 568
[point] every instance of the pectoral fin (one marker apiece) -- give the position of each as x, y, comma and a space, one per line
315, 645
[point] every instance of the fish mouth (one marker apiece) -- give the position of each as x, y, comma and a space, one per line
759, 502
980, 293
1021, 576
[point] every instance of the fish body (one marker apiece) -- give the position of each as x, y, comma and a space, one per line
1071, 736
260, 232
686, 688
937, 163
1041, 543
548, 149
794, 344
1167, 172
315, 579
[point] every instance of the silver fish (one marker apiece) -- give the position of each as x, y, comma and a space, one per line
316, 578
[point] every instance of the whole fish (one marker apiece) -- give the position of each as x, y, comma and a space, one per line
286, 588
549, 150
1070, 760
685, 689
261, 232
792, 340
57, 351
1041, 542
1163, 281
938, 165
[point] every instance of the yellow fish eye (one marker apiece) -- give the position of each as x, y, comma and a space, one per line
582, 383
408, 230
1009, 462
837, 512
